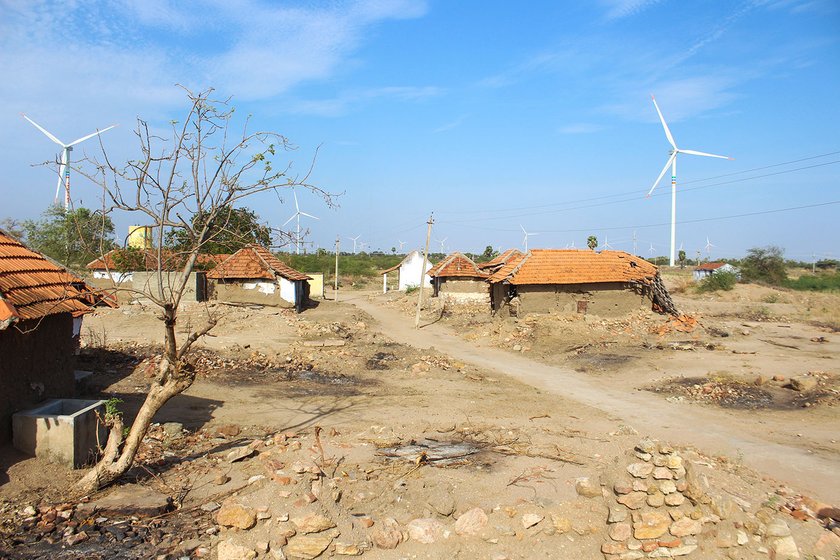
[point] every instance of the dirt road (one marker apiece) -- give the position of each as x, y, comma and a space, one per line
712, 430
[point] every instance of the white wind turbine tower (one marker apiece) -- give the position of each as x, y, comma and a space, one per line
672, 161
354, 239
64, 168
708, 249
442, 244
402, 244
297, 216
607, 245
527, 235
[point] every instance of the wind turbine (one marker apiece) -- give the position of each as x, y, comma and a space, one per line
607, 245
672, 161
354, 239
527, 234
442, 244
708, 249
297, 216
402, 244
64, 168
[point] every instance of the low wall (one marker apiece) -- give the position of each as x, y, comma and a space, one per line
316, 284
144, 282
37, 364
237, 292
603, 299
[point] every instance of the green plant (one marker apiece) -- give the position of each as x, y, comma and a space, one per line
764, 264
816, 283
411, 289
718, 281
771, 298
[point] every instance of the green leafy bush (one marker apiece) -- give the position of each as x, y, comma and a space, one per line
816, 283
718, 281
764, 264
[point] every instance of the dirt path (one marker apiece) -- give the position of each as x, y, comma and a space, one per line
715, 431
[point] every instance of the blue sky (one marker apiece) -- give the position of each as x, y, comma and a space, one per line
491, 114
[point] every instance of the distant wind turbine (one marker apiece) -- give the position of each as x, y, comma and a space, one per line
607, 243
442, 244
354, 239
672, 161
402, 243
297, 216
64, 167
708, 248
527, 234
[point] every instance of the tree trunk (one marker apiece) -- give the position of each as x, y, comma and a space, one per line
112, 466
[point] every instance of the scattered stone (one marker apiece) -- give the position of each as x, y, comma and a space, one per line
229, 550
674, 462
307, 546
313, 523
620, 531
387, 534
617, 515
646, 445
622, 487
173, 429
613, 548
236, 515
742, 538
348, 549
442, 502
652, 525
785, 548
778, 378
633, 500
221, 479
777, 528
75, 539
640, 470
803, 384
656, 500
531, 519
228, 430
239, 453
685, 526
261, 546
561, 524
426, 530
662, 473
587, 488
471, 523
210, 507
667, 487
675, 499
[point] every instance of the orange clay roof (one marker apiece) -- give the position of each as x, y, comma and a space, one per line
573, 266
172, 260
32, 286
456, 264
710, 266
500, 259
254, 262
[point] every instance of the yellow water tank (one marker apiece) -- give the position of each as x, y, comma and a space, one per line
140, 237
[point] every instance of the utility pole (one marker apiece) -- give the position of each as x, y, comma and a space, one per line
337, 247
814, 263
635, 250
423, 271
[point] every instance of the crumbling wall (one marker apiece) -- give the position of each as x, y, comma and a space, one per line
606, 299
464, 286
237, 292
37, 363
144, 282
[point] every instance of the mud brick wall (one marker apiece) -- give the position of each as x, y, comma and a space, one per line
602, 299
235, 293
36, 363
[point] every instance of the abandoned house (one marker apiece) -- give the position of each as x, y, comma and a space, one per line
254, 275
41, 309
607, 283
131, 271
458, 279
408, 272
707, 269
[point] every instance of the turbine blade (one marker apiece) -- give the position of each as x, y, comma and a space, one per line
97, 133
42, 129
309, 215
662, 173
664, 124
290, 219
523, 229
696, 153
294, 193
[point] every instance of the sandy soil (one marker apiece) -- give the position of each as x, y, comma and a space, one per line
571, 402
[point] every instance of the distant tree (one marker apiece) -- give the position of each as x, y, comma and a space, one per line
764, 264
13, 228
681, 257
489, 253
592, 242
228, 231
73, 237
393, 250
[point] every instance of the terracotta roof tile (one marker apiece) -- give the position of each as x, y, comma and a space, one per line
710, 266
573, 266
501, 259
254, 262
32, 286
456, 264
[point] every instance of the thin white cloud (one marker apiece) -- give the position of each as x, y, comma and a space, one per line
617, 9
451, 124
580, 128
342, 103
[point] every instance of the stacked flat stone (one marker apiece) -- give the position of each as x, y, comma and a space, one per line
658, 507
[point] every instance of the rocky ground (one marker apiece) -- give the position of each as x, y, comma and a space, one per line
319, 435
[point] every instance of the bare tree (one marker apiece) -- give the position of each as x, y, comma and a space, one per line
200, 168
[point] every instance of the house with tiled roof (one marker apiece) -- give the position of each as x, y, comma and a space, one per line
459, 279
408, 272
41, 310
254, 275
707, 269
605, 283
499, 261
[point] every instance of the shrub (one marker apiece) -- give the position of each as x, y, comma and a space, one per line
818, 283
764, 264
718, 281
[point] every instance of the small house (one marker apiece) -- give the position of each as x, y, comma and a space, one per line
606, 283
459, 279
707, 269
41, 309
254, 275
499, 261
409, 271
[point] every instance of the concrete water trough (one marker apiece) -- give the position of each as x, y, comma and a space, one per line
65, 431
